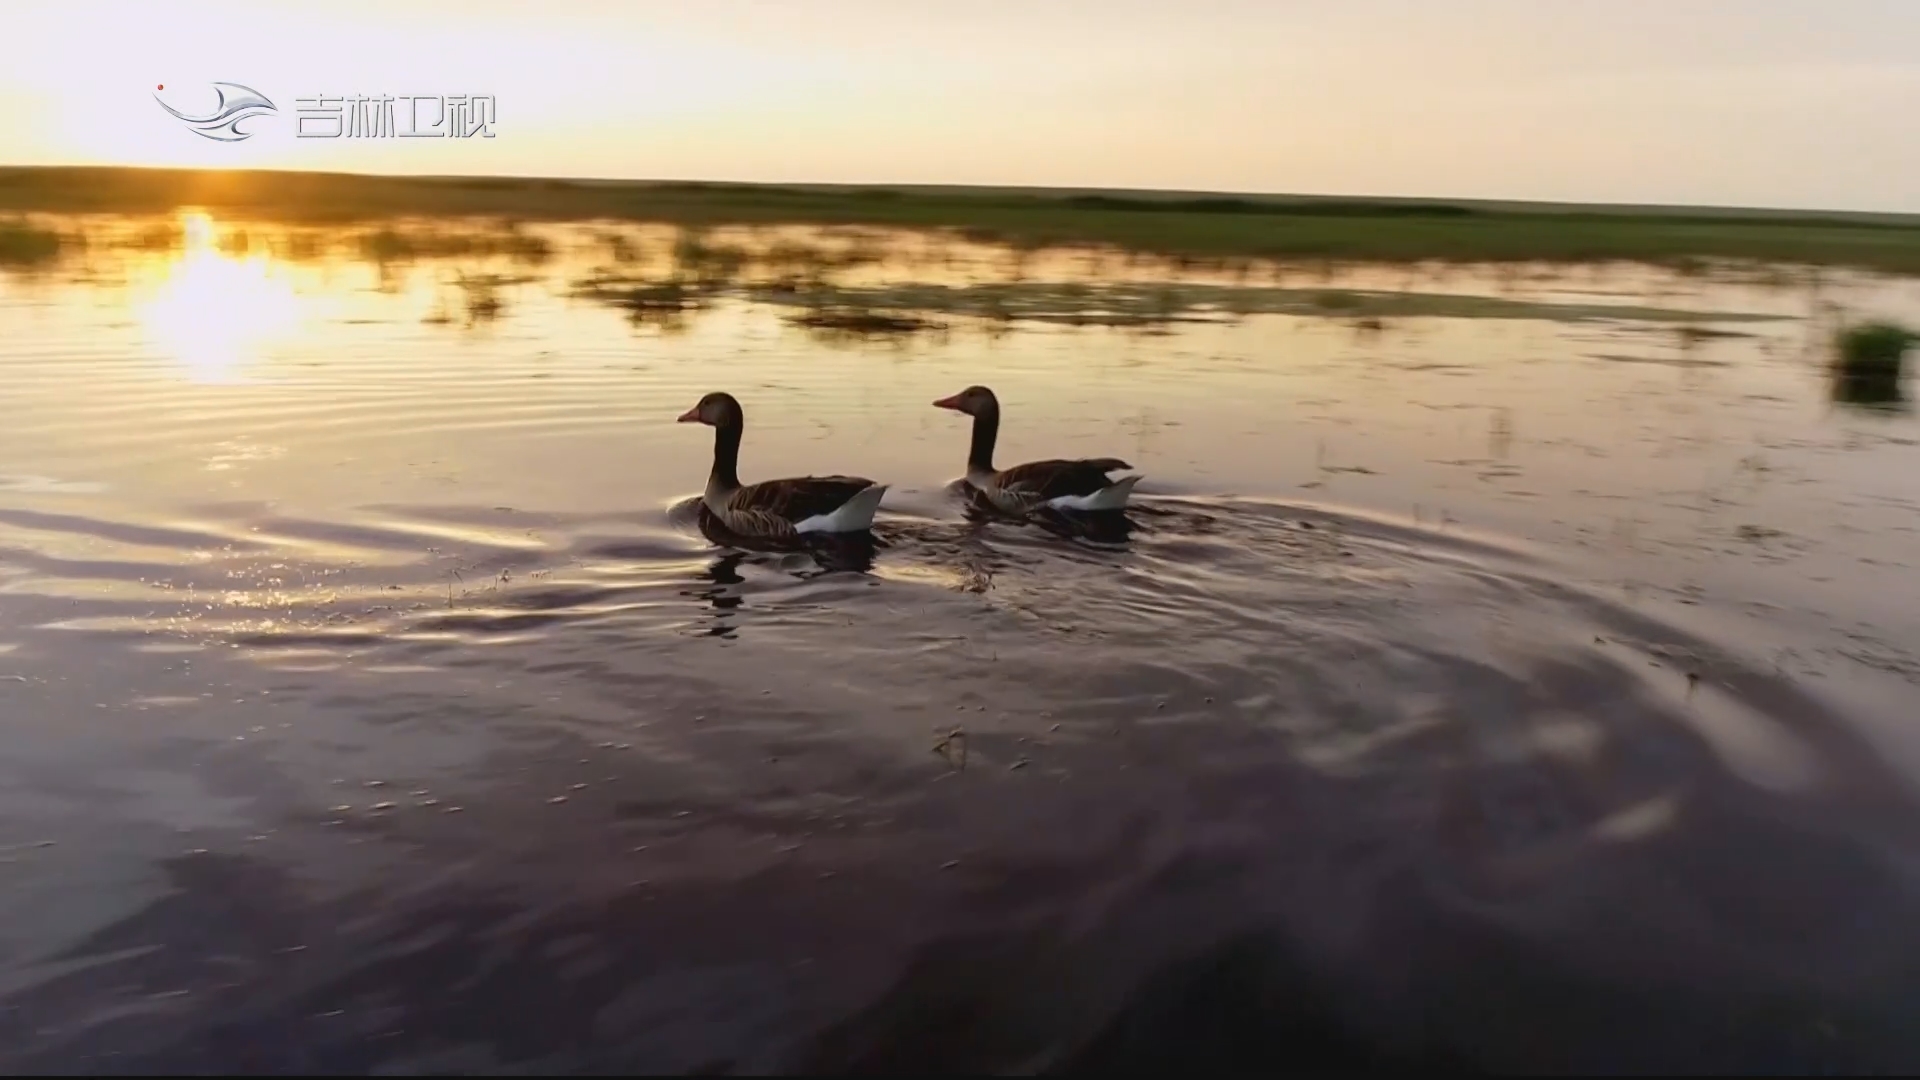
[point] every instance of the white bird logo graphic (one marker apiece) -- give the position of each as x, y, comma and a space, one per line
237, 103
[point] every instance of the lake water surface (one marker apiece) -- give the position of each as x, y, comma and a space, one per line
1511, 666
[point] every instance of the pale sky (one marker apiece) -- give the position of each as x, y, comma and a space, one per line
1794, 103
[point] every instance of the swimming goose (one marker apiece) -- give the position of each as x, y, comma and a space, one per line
776, 509
1080, 484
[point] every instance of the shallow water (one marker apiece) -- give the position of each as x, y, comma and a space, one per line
1531, 693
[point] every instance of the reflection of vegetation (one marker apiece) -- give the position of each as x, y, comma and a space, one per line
1869, 364
1147, 304
797, 264
1691, 335
666, 321
482, 294
642, 295
303, 246
169, 235
861, 321
621, 247
235, 243
1868, 391
1690, 240
391, 244
908, 307
22, 244
389, 279
846, 279
699, 260
699, 266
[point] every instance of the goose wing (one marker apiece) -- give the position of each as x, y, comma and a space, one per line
1039, 481
796, 498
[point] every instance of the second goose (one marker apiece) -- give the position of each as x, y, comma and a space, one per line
1062, 484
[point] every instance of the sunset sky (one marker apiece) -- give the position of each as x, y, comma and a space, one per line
1789, 103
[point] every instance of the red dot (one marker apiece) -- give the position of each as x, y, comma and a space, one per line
162, 86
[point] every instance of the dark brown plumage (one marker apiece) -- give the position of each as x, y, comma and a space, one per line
1054, 478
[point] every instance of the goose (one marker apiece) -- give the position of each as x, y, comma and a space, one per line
1080, 484
782, 509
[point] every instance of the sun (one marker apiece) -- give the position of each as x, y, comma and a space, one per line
214, 314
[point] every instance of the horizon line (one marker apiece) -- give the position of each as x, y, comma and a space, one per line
1040, 190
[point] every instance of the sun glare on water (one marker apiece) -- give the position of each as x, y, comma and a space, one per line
215, 314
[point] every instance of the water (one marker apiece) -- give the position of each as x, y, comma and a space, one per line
1524, 692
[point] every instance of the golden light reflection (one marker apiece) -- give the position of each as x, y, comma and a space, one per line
214, 313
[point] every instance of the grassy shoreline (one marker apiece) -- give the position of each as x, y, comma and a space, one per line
1165, 223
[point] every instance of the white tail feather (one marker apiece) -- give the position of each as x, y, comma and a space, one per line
1112, 497
853, 515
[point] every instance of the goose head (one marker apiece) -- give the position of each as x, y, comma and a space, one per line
974, 401
718, 409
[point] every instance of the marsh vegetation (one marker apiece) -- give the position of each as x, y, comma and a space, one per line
1170, 224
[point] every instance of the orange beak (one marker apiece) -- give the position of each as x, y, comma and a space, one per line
948, 403
691, 416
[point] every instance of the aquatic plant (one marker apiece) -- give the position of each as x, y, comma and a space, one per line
1869, 365
1873, 350
22, 244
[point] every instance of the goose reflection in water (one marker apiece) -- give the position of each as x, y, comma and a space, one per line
723, 573
828, 553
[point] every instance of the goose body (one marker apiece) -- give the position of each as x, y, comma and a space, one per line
1057, 483
781, 509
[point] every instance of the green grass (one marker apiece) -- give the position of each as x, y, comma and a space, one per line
1875, 350
1206, 228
